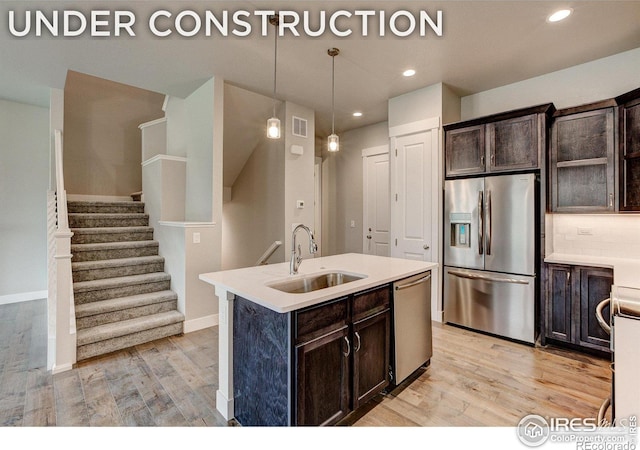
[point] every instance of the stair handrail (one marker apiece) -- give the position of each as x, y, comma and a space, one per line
268, 252
62, 334
63, 218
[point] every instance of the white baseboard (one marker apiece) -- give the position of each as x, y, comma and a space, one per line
61, 368
98, 198
23, 297
200, 323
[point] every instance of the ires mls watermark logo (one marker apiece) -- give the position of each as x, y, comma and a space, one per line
587, 433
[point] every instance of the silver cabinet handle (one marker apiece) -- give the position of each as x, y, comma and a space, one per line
610, 200
348, 347
413, 283
603, 323
487, 278
358, 345
480, 222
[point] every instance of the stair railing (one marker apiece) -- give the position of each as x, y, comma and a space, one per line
268, 252
62, 319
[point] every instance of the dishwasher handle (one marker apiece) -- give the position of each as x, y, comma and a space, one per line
413, 283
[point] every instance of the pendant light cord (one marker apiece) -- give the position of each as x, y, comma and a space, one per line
275, 65
333, 93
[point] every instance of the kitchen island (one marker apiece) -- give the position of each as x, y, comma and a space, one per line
264, 323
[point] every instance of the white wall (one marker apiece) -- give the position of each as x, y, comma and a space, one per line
298, 177
24, 181
343, 187
585, 83
254, 217
593, 81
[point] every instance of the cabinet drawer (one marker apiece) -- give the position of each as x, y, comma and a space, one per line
317, 321
371, 302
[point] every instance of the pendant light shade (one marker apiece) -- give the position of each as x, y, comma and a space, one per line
333, 139
273, 124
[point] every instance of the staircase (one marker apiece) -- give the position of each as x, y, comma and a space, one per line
122, 295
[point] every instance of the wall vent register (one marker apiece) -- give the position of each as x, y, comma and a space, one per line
299, 127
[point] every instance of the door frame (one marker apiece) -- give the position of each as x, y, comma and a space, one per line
366, 153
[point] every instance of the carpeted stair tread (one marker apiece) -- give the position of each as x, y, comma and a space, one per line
118, 304
126, 327
112, 245
98, 207
113, 230
118, 343
120, 262
117, 267
111, 234
109, 283
93, 220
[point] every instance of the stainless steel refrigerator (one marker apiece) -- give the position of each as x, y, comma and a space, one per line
490, 254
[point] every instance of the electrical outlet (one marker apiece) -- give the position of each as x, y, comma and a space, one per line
196, 238
353, 224
584, 231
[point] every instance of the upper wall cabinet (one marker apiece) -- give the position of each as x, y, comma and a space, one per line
582, 158
506, 142
629, 143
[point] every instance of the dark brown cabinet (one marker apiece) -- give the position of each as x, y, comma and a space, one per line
573, 293
583, 158
341, 355
629, 143
465, 151
506, 142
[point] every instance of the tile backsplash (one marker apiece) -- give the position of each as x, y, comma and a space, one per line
610, 235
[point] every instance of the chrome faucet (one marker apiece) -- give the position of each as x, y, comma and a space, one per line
296, 256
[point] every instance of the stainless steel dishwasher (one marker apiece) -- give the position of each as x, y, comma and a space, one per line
411, 324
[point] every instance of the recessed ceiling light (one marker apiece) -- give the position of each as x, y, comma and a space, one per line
559, 15
409, 73
357, 114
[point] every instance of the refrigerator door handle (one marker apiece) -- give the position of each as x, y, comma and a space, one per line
488, 220
480, 222
487, 278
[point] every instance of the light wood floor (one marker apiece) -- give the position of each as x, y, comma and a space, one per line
473, 380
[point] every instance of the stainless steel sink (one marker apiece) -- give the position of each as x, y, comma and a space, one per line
315, 282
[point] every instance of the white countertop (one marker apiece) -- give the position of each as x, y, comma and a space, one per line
626, 271
251, 282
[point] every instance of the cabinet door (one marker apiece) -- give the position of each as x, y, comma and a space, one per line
582, 162
595, 286
558, 303
513, 144
371, 340
465, 151
322, 379
630, 157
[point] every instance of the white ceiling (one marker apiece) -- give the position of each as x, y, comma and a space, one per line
485, 44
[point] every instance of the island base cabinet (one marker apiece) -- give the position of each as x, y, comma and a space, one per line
342, 369
371, 357
322, 379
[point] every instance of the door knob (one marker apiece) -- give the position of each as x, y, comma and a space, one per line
425, 246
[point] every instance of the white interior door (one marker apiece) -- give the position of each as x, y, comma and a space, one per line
412, 197
376, 214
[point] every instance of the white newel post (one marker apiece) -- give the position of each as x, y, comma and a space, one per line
224, 396
65, 351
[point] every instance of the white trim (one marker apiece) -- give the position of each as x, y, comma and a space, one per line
201, 323
61, 368
169, 223
164, 103
98, 198
152, 123
164, 158
224, 405
23, 297
373, 151
415, 127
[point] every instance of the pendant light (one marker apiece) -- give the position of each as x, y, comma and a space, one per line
273, 124
333, 139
